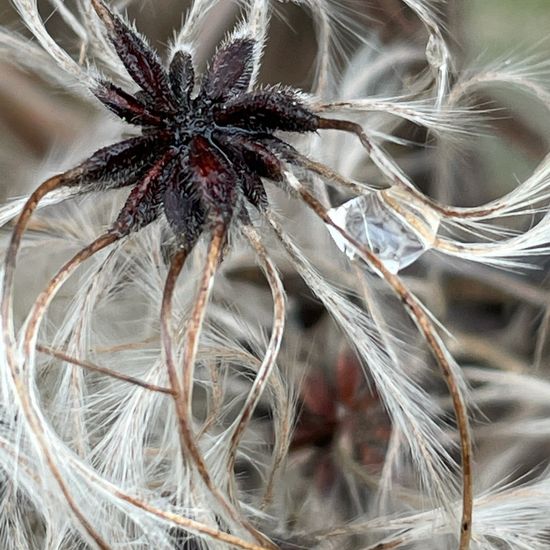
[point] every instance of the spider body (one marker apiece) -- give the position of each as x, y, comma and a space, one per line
201, 156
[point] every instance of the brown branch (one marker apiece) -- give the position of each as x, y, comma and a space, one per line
182, 391
58, 354
423, 322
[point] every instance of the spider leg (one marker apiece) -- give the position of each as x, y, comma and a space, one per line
141, 62
231, 70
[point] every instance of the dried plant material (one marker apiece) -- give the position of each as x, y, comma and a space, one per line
231, 355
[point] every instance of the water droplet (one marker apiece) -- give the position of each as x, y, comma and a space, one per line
395, 226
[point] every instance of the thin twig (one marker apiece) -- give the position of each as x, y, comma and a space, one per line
47, 295
102, 370
11, 255
268, 362
423, 322
396, 176
20, 386
390, 545
175, 519
182, 395
332, 176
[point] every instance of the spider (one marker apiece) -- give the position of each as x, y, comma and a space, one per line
201, 160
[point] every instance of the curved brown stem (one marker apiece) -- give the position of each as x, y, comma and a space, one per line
170, 517
20, 378
47, 295
394, 173
268, 362
331, 175
182, 392
15, 242
196, 320
424, 324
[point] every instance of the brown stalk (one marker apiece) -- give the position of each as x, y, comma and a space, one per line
16, 371
175, 519
58, 354
332, 176
393, 173
182, 393
198, 312
268, 362
390, 545
47, 295
13, 248
8, 334
425, 326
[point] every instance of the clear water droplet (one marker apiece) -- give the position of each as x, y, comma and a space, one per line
398, 235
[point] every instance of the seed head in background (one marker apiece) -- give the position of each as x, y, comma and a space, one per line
133, 459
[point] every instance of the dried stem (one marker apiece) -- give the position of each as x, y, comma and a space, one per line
395, 175
423, 322
332, 176
182, 393
17, 373
213, 258
175, 519
47, 295
58, 354
268, 362
390, 545
11, 255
